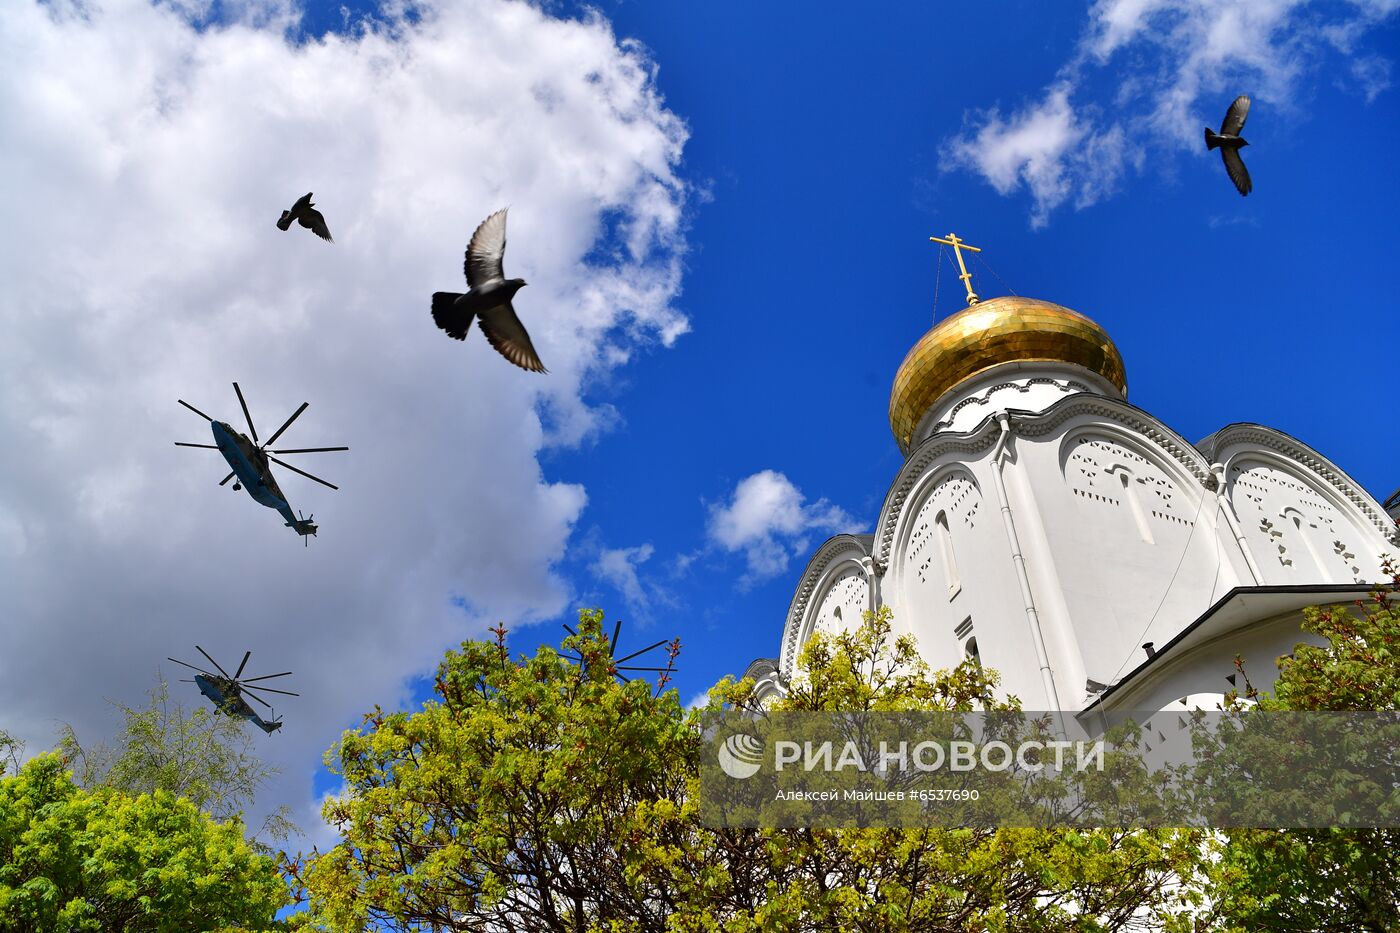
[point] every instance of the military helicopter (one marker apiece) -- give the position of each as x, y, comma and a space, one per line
227, 692
619, 665
249, 461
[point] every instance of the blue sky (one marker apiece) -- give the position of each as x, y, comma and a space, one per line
723, 210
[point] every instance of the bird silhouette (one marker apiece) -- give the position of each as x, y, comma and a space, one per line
305, 213
1230, 142
488, 298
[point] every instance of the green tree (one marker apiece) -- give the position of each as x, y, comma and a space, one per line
534, 794
927, 879
1322, 880
199, 754
74, 860
495, 807
11, 751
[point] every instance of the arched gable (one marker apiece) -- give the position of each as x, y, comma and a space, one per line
1236, 442
1111, 414
947, 504
944, 574
1109, 467
836, 580
1303, 519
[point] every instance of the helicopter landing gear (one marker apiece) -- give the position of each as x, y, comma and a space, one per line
237, 487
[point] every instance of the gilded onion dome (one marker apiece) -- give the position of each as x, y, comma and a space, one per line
999, 330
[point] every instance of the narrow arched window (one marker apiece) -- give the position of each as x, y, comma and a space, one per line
1125, 477
950, 560
1305, 531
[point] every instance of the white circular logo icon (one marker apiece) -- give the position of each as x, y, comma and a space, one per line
741, 756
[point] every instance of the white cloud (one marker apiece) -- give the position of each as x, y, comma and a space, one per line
1047, 147
618, 566
148, 161
768, 520
1174, 66
1372, 74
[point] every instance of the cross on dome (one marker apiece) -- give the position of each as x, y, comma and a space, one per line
958, 246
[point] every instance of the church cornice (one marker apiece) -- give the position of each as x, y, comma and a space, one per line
1129, 416
1032, 424
983, 396
1257, 436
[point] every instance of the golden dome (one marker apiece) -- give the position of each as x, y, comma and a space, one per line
1000, 330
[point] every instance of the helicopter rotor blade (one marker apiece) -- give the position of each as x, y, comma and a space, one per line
617, 630
643, 651
271, 690
309, 450
213, 662
239, 672
265, 677
278, 433
260, 700
192, 667
193, 409
184, 444
303, 472
251, 430
226, 479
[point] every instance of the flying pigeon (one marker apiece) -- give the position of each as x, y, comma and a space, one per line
304, 213
1229, 142
488, 298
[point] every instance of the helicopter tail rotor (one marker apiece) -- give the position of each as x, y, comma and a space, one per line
305, 527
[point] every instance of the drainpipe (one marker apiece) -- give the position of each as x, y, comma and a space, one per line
1233, 521
873, 574
1047, 675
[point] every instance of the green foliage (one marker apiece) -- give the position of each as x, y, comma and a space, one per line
537, 795
74, 860
199, 754
497, 806
930, 879
1358, 665
870, 669
1322, 880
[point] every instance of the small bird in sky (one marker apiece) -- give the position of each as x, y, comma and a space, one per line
488, 298
305, 213
1229, 142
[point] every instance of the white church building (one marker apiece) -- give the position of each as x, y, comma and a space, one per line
1094, 557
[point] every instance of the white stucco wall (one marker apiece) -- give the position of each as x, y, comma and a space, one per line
939, 581
1208, 668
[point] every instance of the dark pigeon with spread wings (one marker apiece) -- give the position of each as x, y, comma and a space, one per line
488, 298
304, 213
1230, 142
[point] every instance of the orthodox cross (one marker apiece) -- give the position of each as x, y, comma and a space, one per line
958, 246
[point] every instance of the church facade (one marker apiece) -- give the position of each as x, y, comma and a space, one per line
1055, 532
